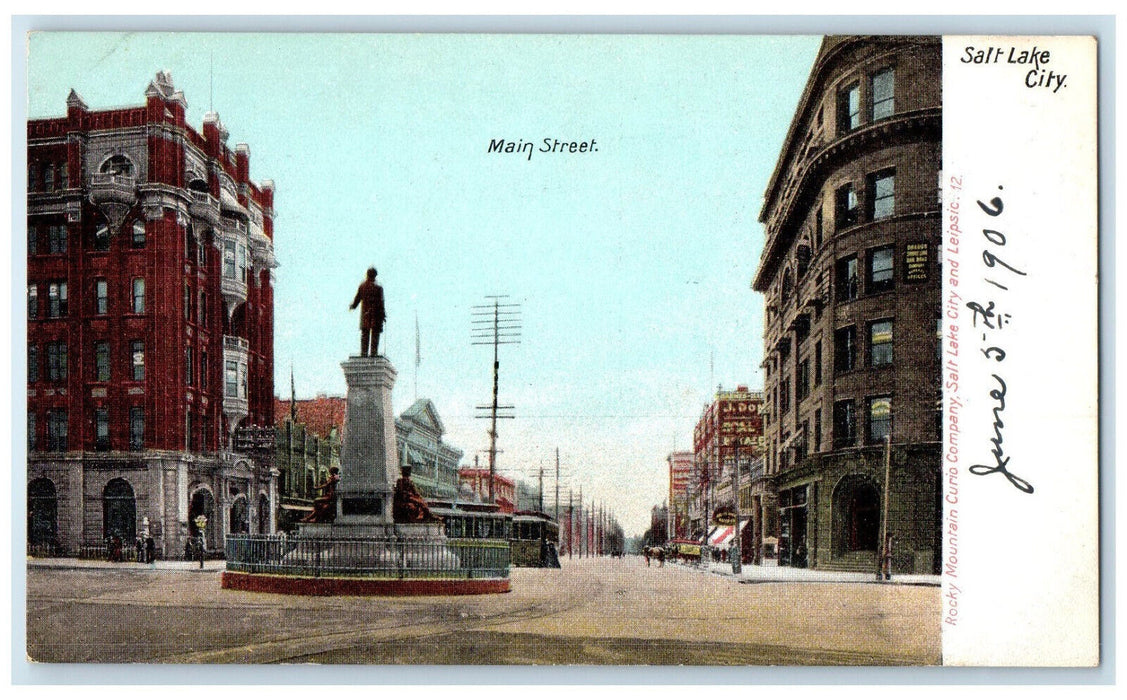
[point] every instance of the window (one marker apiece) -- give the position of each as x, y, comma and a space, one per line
243, 275
939, 339
203, 369
817, 446
883, 85
137, 360
139, 295
101, 361
138, 234
101, 429
188, 366
57, 430
845, 206
229, 259
57, 299
202, 308
32, 240
101, 297
817, 363
802, 381
56, 362
32, 172
32, 364
202, 257
849, 108
56, 239
802, 258
818, 227
102, 238
32, 301
187, 303
64, 176
231, 378
880, 418
880, 343
880, 270
31, 441
48, 177
847, 282
882, 199
788, 286
136, 428
845, 424
784, 395
845, 344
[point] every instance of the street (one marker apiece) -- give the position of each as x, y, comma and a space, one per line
593, 611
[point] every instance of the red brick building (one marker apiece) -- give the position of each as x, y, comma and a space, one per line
504, 488
850, 275
680, 476
150, 305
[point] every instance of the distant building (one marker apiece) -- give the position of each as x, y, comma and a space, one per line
150, 337
850, 272
680, 477
504, 488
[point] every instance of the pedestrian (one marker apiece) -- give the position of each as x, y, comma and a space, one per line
139, 550
116, 556
646, 554
150, 550
660, 557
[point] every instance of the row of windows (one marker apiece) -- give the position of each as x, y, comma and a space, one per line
51, 239
878, 415
56, 361
56, 433
47, 177
58, 304
879, 274
879, 346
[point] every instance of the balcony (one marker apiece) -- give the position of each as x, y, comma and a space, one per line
115, 194
204, 206
234, 292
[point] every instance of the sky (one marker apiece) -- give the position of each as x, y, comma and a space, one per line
631, 263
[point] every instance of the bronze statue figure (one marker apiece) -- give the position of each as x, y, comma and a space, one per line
408, 505
369, 297
324, 506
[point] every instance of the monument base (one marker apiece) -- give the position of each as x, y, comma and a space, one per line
324, 586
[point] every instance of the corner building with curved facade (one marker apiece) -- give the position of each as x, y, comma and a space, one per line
851, 274
150, 304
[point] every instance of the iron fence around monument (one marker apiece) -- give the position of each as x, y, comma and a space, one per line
453, 559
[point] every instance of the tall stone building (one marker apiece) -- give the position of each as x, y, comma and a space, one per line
851, 275
150, 305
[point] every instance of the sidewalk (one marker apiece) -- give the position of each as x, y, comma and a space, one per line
209, 565
750, 573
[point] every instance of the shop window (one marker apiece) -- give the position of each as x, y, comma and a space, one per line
879, 274
845, 349
880, 343
883, 91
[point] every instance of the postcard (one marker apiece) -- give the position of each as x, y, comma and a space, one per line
685, 350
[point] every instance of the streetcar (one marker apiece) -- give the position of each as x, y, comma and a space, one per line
475, 521
535, 540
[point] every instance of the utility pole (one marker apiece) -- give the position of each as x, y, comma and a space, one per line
495, 324
737, 560
570, 524
884, 547
540, 491
581, 518
557, 512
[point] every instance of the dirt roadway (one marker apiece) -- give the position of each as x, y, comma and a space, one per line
591, 612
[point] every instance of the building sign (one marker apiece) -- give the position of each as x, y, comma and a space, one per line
915, 262
724, 516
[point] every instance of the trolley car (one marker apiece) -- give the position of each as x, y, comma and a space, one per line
535, 540
476, 521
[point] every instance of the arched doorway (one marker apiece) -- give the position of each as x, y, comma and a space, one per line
202, 503
42, 512
263, 514
856, 514
119, 511
238, 517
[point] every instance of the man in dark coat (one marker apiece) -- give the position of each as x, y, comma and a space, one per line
370, 299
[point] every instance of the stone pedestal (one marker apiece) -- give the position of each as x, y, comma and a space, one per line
369, 460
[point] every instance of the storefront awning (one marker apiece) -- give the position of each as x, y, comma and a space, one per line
721, 536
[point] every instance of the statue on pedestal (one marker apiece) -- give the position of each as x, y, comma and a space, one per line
408, 505
369, 296
324, 506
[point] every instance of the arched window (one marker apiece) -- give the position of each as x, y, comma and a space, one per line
42, 512
117, 165
119, 510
